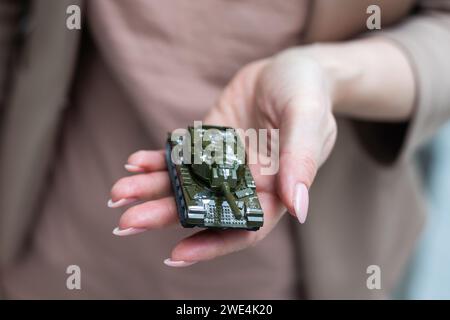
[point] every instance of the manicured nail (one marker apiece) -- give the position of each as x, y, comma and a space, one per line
121, 202
133, 168
178, 264
301, 202
127, 232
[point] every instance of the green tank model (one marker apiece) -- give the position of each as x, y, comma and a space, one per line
212, 184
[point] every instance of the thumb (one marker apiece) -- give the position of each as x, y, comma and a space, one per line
305, 143
297, 171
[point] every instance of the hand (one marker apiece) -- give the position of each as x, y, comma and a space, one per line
291, 91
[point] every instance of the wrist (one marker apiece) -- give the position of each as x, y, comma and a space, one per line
328, 63
342, 74
366, 77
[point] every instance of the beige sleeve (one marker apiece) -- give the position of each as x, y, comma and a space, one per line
9, 28
425, 39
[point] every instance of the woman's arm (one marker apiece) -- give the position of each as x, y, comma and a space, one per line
399, 76
370, 78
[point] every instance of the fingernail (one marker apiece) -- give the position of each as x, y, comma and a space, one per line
301, 202
133, 168
121, 202
178, 264
127, 232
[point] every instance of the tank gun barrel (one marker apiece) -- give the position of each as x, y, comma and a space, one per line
231, 200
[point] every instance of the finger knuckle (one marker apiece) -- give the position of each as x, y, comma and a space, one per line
131, 187
117, 191
137, 157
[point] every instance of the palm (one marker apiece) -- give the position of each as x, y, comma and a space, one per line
247, 102
238, 108
152, 185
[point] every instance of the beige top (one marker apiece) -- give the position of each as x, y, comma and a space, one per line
365, 204
161, 66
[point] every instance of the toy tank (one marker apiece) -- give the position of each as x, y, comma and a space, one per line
213, 187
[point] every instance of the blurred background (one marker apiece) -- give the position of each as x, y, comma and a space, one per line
428, 275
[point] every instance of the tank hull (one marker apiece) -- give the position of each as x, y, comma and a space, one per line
199, 205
